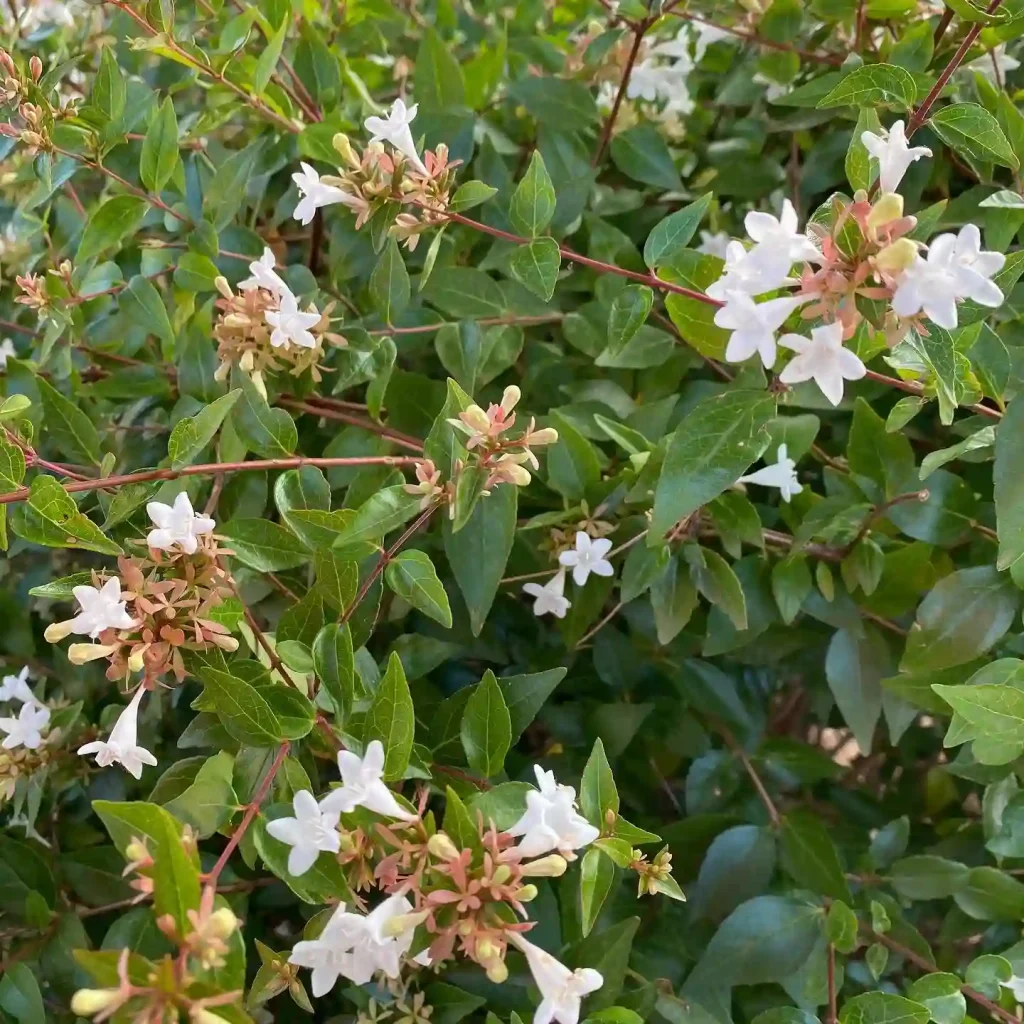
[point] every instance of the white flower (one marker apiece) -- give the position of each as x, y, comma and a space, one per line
995, 64
26, 729
102, 608
781, 474
17, 688
651, 80
716, 244
754, 324
7, 350
1016, 986
748, 272
264, 275
772, 90
551, 821
823, 359
310, 831
291, 327
122, 747
589, 557
561, 990
362, 785
956, 268
395, 129
315, 194
893, 154
708, 35
779, 243
549, 597
176, 524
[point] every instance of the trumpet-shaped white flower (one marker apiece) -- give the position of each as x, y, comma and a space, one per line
779, 242
753, 325
310, 831
1015, 985
893, 153
177, 525
707, 35
823, 359
549, 598
316, 194
27, 729
395, 128
588, 557
17, 688
122, 747
956, 268
715, 244
551, 821
102, 608
362, 785
781, 474
7, 350
995, 64
263, 275
746, 271
562, 991
291, 325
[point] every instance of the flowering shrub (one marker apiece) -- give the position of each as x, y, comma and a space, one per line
509, 512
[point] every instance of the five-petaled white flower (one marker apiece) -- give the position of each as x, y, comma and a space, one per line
715, 244
316, 194
588, 557
7, 350
893, 154
264, 275
1016, 986
362, 785
781, 474
17, 688
310, 831
291, 325
395, 129
956, 268
122, 746
102, 608
779, 242
177, 525
748, 272
995, 64
26, 729
823, 359
550, 598
561, 990
551, 821
754, 324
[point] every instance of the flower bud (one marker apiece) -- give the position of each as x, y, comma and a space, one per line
248, 360
35, 66
502, 873
442, 847
497, 972
136, 852
57, 631
487, 950
8, 62
89, 1001
525, 894
345, 150
222, 923
546, 435
221, 284
202, 1016
402, 923
897, 256
551, 866
79, 654
136, 661
510, 398
888, 207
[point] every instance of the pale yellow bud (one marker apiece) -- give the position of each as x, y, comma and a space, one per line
487, 950
546, 435
136, 852
502, 873
442, 847
476, 418
551, 866
402, 923
345, 150
497, 972
57, 631
510, 398
223, 923
221, 284
888, 207
897, 256
248, 360
89, 1001
201, 1016
136, 663
79, 654
517, 474
227, 643
525, 894
257, 380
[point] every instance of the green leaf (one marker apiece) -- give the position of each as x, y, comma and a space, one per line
941, 994
882, 1008
670, 236
191, 434
160, 158
141, 304
464, 293
379, 514
460, 349
242, 708
858, 160
598, 793
69, 425
628, 313
270, 433
486, 728
573, 466
970, 130
389, 282
391, 719
470, 194
710, 450
525, 695
927, 877
715, 579
738, 865
19, 993
640, 153
334, 664
264, 545
841, 927
109, 91
535, 266
51, 517
113, 221
209, 802
809, 856
411, 575
856, 663
268, 58
874, 85
597, 877
533, 202
440, 85
1008, 486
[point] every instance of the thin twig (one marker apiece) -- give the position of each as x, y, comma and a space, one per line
329, 413
597, 629
638, 37
733, 744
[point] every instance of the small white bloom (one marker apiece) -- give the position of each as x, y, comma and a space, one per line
562, 991
754, 324
955, 268
588, 557
291, 326
310, 831
823, 359
781, 474
772, 90
7, 350
995, 64
748, 272
17, 688
716, 244
264, 275
315, 194
550, 598
551, 821
26, 729
1016, 986
707, 35
122, 747
779, 242
177, 525
362, 785
893, 154
102, 608
395, 128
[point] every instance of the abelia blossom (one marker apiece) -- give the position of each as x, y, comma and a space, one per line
780, 474
177, 525
748, 272
588, 557
754, 324
893, 153
27, 729
487, 427
823, 359
362, 785
7, 351
16, 688
317, 194
551, 821
122, 746
715, 244
102, 608
291, 325
562, 991
263, 275
779, 242
550, 598
395, 129
310, 831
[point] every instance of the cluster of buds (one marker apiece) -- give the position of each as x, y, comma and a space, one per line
207, 941
655, 876
34, 292
22, 763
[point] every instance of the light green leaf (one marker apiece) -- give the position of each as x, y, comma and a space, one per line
69, 425
874, 85
264, 545
160, 158
671, 235
113, 221
191, 434
411, 575
533, 202
391, 719
970, 130
535, 266
486, 728
389, 282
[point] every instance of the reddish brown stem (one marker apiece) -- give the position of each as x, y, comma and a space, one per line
913, 388
332, 413
606, 133
832, 1014
493, 321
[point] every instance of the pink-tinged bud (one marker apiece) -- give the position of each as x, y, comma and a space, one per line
897, 257
8, 62
136, 852
10, 131
56, 631
551, 866
79, 654
475, 418
440, 846
35, 67
487, 950
87, 1002
510, 398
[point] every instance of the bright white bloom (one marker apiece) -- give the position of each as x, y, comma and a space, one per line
122, 747
779, 242
264, 275
34, 14
561, 990
823, 359
781, 474
956, 268
772, 90
716, 244
395, 128
651, 80
754, 324
315, 194
995, 64
748, 272
291, 326
1016, 986
177, 524
551, 821
309, 832
550, 598
102, 608
362, 785
17, 688
26, 729
7, 350
589, 557
708, 35
893, 154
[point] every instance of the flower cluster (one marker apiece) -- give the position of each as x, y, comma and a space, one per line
587, 555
